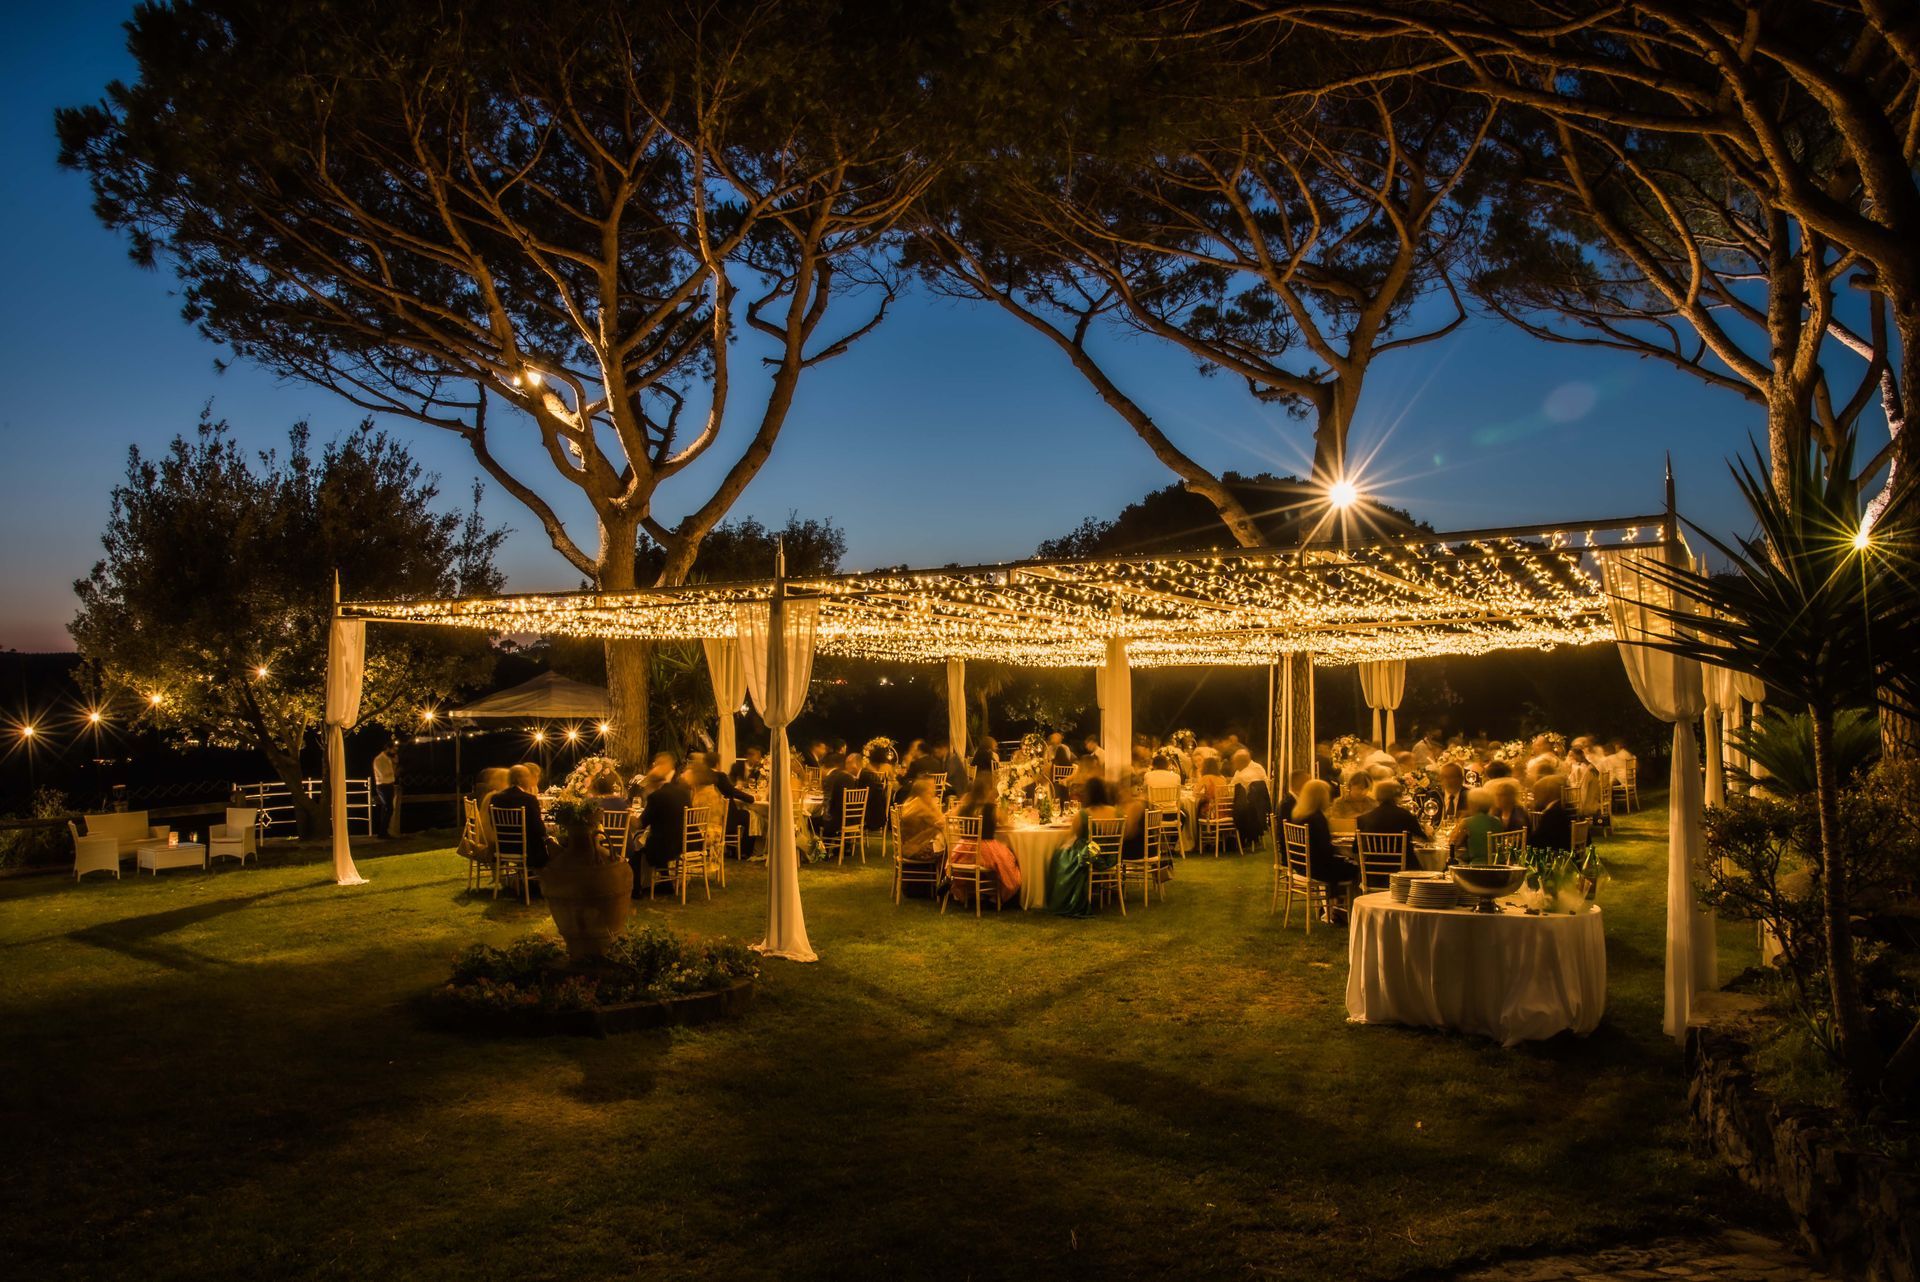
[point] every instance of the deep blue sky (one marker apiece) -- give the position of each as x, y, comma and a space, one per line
950, 434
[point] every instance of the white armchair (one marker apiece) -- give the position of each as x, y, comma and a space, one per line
235, 838
100, 853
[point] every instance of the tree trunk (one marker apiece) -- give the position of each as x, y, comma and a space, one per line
1292, 730
311, 817
1899, 720
629, 661
1856, 1051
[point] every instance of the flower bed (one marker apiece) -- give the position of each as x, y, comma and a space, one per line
647, 979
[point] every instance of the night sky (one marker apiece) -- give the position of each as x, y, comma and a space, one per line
950, 434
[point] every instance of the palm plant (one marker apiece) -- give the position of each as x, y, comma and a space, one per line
1781, 745
1828, 616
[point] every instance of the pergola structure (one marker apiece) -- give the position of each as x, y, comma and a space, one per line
1379, 601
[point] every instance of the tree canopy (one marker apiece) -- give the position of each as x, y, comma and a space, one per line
211, 605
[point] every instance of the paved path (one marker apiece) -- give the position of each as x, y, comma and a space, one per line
1730, 1256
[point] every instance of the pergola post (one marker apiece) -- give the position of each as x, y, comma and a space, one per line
1291, 729
957, 707
1115, 678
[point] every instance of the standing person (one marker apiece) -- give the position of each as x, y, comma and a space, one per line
644, 786
384, 763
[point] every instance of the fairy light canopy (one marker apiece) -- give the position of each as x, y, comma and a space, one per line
1406, 597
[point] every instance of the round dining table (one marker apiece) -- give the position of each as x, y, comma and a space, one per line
1035, 845
1510, 975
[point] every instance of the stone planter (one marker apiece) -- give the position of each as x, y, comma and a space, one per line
589, 900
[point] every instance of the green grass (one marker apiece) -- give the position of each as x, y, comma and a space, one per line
221, 1077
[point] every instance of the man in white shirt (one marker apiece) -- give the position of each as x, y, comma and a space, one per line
383, 776
1246, 770
1252, 798
1160, 776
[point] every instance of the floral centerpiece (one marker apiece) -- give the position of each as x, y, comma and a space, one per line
1348, 750
1513, 752
586, 770
881, 751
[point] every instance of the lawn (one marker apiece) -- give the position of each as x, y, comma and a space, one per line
221, 1076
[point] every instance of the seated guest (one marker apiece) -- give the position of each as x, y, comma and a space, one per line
1067, 881
1453, 793
1085, 771
658, 773
833, 792
923, 824
1324, 864
944, 764
915, 750
1389, 816
1283, 809
877, 778
1356, 798
1498, 770
489, 781
1469, 844
1553, 825
605, 791
1588, 783
1000, 867
1212, 793
1160, 775
519, 795
703, 793
1092, 748
1541, 766
750, 769
663, 820
734, 814
1252, 798
987, 755
1507, 809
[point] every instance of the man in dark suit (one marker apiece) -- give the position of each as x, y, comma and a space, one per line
1453, 793
518, 795
876, 785
833, 791
664, 820
1552, 827
747, 770
1389, 816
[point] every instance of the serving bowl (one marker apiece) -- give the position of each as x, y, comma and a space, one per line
1488, 882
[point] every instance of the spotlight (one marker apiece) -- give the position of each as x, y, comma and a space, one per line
1343, 494
605, 729
572, 735
153, 699
93, 717
26, 731
1861, 538
427, 715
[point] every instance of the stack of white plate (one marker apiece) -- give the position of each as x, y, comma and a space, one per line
1399, 883
1433, 892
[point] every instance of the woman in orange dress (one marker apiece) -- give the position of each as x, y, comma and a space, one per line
1001, 867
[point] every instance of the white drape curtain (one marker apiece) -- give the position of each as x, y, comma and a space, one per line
1382, 684
729, 688
957, 708
776, 654
1113, 682
1721, 716
1672, 689
346, 665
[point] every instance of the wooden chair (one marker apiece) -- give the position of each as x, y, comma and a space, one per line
478, 856
733, 838
1148, 865
853, 825
1061, 774
1294, 879
1507, 847
1633, 786
906, 871
696, 854
963, 866
1582, 835
1381, 854
613, 831
510, 843
1106, 835
1219, 827
888, 833
1163, 821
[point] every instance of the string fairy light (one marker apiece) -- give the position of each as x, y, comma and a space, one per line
1396, 598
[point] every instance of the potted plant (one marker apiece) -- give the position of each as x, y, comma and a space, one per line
588, 889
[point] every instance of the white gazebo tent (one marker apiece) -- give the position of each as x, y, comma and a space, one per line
1376, 602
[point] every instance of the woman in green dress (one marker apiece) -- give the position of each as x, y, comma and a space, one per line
1067, 881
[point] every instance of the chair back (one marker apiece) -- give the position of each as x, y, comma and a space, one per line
1582, 834
614, 826
470, 825
1062, 773
853, 809
1294, 842
1505, 847
693, 831
1381, 855
509, 831
1107, 834
1164, 797
241, 819
963, 839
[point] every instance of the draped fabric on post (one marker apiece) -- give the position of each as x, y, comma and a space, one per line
1722, 715
776, 654
729, 688
957, 707
1114, 682
1672, 690
1382, 684
346, 664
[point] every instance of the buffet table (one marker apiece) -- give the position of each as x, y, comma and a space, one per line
1035, 845
1511, 975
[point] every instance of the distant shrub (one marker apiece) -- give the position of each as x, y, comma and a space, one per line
532, 974
21, 847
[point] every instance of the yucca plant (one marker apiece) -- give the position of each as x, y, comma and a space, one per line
1828, 616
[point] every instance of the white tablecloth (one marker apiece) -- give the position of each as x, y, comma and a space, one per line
1507, 975
757, 812
1035, 847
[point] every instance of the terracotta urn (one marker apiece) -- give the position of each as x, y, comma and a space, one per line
588, 896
